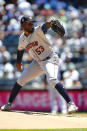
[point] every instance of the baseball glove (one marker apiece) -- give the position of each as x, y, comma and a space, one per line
57, 27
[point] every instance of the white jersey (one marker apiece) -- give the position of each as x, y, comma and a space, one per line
36, 44
45, 60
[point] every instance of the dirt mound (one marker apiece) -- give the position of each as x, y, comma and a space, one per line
38, 120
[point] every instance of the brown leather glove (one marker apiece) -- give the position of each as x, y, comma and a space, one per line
19, 66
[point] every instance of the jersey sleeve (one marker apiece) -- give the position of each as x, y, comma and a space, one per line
45, 28
19, 56
21, 43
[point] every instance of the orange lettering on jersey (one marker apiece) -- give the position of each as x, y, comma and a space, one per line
30, 45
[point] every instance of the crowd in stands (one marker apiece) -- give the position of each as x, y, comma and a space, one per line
72, 48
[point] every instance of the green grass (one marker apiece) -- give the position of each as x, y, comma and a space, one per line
81, 129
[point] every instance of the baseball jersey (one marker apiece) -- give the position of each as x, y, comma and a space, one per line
36, 44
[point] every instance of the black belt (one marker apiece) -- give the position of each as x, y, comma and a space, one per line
47, 58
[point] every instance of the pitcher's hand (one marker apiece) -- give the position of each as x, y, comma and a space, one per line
19, 66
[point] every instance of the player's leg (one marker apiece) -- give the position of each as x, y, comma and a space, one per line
71, 106
51, 73
29, 73
63, 94
51, 70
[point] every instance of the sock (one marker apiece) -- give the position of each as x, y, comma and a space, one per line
63, 92
14, 92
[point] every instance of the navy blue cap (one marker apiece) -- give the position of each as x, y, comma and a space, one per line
26, 19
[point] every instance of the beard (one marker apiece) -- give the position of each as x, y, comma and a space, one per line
30, 31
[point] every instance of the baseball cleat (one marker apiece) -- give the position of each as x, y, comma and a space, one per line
72, 108
6, 107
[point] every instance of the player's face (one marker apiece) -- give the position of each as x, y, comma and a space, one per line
28, 27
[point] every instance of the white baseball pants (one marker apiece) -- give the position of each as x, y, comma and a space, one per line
50, 67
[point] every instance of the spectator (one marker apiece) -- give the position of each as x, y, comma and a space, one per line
71, 77
73, 48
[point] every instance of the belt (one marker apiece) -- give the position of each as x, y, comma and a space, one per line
47, 58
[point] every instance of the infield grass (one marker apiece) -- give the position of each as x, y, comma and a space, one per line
81, 129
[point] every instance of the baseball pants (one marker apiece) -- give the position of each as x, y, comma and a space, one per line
49, 67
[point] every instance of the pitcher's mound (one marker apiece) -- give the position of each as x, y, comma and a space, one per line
39, 120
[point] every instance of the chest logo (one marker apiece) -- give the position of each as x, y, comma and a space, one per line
38, 49
30, 45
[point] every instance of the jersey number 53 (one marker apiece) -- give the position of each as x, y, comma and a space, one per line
39, 50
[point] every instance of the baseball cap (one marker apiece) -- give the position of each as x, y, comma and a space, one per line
26, 19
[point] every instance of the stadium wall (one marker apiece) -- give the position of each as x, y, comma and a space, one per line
39, 100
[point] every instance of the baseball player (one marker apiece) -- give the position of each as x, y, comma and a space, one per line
45, 60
